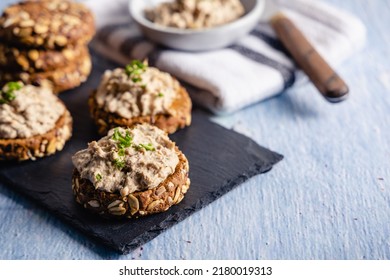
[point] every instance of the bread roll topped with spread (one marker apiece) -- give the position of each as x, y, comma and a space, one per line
33, 122
140, 94
130, 172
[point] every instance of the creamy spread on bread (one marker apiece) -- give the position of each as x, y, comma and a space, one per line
137, 90
131, 159
27, 111
195, 14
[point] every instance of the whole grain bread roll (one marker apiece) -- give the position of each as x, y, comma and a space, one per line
140, 94
129, 173
61, 79
34, 123
47, 24
32, 60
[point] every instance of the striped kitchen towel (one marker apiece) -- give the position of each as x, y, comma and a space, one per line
255, 68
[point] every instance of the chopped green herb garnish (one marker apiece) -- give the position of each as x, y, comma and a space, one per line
124, 141
136, 80
12, 86
7, 97
148, 147
98, 177
8, 91
135, 66
160, 94
135, 69
119, 163
121, 152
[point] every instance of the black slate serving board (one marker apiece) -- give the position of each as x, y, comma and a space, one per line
220, 159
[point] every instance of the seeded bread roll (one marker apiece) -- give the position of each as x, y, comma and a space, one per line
34, 123
60, 80
14, 59
48, 24
140, 94
124, 176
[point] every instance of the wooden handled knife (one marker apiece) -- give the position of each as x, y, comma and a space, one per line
326, 80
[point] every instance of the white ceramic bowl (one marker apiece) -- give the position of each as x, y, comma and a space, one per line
196, 40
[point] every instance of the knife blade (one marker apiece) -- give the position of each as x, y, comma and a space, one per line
322, 75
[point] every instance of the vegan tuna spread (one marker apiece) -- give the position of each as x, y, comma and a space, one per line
195, 14
32, 111
33, 122
136, 91
133, 171
140, 94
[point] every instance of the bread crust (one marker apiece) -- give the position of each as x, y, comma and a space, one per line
14, 59
120, 205
179, 117
38, 146
60, 80
47, 24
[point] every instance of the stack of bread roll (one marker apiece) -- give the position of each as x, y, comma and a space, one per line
45, 42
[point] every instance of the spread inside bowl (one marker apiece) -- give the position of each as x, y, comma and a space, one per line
195, 14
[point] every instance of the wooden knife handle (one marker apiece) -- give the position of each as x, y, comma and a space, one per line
327, 81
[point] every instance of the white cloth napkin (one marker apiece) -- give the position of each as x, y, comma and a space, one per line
253, 69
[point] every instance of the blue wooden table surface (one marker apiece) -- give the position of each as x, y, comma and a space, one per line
328, 199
